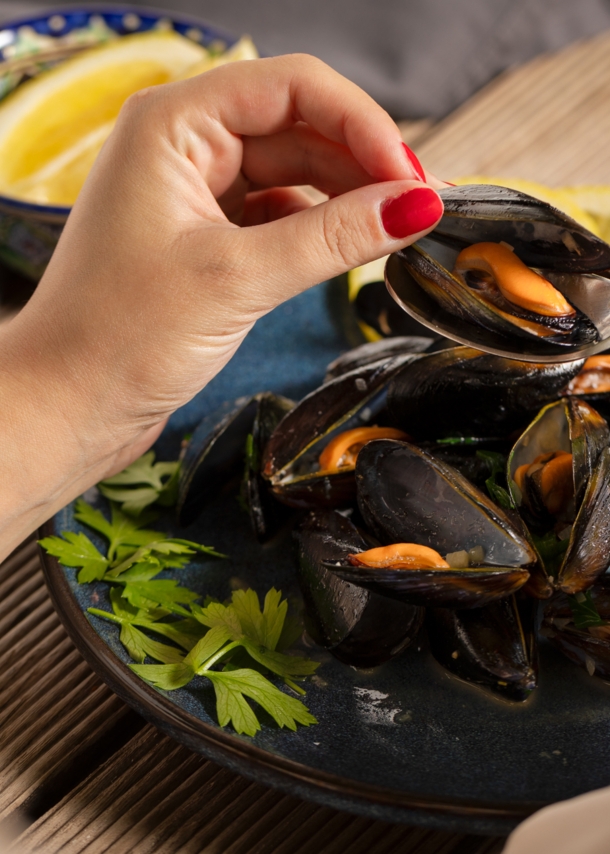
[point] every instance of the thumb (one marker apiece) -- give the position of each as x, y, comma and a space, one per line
289, 255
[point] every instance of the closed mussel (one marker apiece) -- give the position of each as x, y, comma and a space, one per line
494, 647
359, 627
446, 543
504, 261
310, 458
559, 478
222, 446
462, 391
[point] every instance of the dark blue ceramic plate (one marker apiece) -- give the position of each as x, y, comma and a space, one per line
403, 742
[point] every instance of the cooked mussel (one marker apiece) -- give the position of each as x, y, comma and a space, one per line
558, 475
462, 391
592, 383
408, 497
226, 441
359, 627
502, 261
295, 460
375, 351
494, 647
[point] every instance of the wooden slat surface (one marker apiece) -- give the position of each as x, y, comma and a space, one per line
546, 121
79, 772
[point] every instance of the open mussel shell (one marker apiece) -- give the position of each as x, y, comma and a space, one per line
462, 391
357, 626
216, 454
582, 648
592, 384
571, 425
493, 647
407, 496
351, 400
574, 260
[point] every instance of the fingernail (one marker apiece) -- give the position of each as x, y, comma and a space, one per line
417, 167
413, 211
450, 184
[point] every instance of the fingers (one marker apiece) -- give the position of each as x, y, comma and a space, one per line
276, 94
293, 253
270, 205
300, 156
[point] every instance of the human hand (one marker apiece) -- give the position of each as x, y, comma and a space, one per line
154, 284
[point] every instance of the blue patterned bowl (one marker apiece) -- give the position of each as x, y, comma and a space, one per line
29, 232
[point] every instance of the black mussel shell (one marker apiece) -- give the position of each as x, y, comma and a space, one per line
266, 514
494, 647
462, 391
224, 443
368, 354
588, 554
583, 649
541, 235
406, 495
444, 588
290, 461
472, 457
357, 626
215, 455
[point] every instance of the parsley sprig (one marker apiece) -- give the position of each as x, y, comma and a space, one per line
237, 646
497, 466
143, 483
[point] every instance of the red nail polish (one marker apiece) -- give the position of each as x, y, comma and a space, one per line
417, 167
413, 211
450, 184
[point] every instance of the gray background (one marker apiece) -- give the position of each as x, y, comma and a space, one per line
418, 58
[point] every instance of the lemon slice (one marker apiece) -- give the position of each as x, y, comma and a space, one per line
52, 127
243, 49
558, 197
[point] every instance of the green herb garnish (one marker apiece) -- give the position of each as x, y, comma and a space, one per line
497, 464
584, 611
236, 645
143, 483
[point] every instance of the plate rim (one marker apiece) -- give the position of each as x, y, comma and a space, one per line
254, 762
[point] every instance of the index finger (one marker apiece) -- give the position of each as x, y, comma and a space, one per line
277, 93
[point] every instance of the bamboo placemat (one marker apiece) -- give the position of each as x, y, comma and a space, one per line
80, 772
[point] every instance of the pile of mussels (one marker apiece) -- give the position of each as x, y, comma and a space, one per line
435, 485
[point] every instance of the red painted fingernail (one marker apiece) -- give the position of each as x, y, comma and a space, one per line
413, 211
450, 184
417, 167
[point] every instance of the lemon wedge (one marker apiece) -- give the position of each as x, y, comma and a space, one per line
243, 49
52, 127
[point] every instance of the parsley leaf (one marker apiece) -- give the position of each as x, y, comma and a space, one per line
233, 686
139, 645
164, 592
143, 483
497, 464
165, 676
120, 531
584, 611
77, 550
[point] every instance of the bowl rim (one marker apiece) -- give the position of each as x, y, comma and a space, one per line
59, 213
